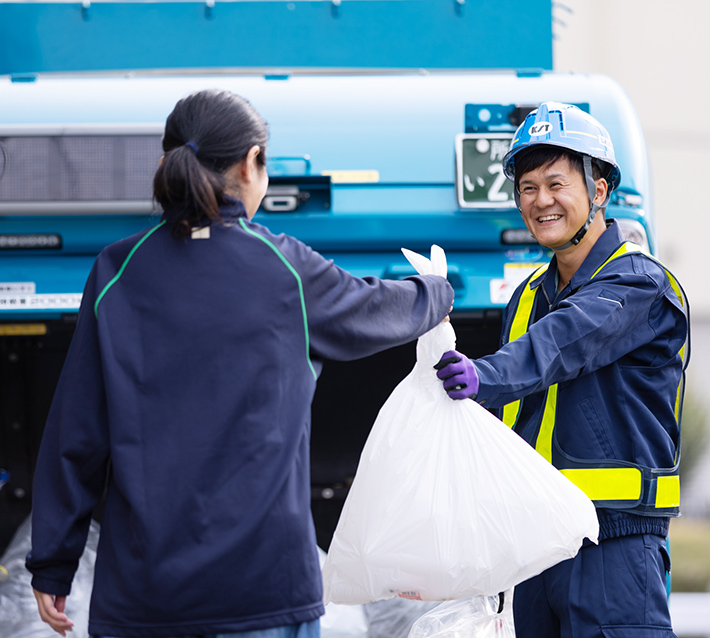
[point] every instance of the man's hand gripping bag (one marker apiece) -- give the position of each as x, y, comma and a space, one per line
447, 501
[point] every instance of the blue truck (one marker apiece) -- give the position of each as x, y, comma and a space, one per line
362, 162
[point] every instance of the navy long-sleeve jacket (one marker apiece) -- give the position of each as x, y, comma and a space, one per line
612, 344
188, 384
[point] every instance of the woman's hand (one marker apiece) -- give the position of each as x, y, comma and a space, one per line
446, 319
51, 610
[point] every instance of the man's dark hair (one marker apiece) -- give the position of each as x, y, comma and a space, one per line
539, 155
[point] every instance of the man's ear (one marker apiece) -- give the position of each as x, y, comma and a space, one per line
602, 190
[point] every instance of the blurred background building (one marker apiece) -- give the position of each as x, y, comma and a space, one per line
658, 51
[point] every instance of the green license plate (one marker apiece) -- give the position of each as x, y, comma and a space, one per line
480, 182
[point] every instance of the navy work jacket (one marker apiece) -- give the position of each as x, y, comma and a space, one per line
612, 344
192, 371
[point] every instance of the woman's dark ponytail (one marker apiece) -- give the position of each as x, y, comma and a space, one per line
206, 134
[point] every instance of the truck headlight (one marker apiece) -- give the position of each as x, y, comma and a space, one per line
634, 231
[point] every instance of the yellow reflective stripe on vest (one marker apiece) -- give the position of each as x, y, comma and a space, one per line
544, 437
607, 483
668, 491
683, 351
519, 326
510, 413
521, 321
626, 247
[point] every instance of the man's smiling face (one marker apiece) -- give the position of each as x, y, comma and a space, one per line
554, 202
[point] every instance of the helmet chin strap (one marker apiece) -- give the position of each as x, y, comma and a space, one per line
593, 208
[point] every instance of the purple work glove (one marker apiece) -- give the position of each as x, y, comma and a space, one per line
459, 375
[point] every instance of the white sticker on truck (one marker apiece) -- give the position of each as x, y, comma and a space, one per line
514, 274
17, 287
502, 290
58, 301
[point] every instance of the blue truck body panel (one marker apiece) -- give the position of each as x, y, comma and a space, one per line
282, 34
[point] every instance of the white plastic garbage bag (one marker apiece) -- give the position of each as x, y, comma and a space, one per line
447, 502
342, 621
394, 617
479, 617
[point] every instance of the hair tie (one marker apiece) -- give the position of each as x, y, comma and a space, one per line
193, 146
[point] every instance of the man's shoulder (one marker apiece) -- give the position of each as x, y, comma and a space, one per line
613, 254
637, 262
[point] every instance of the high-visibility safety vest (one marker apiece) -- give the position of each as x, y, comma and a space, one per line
609, 483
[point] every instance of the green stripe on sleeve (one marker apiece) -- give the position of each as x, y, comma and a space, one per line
300, 287
123, 267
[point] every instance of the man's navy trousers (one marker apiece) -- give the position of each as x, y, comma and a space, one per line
616, 589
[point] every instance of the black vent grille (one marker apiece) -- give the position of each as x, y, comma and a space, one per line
78, 168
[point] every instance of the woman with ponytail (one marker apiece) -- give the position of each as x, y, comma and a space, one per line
204, 163
186, 396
